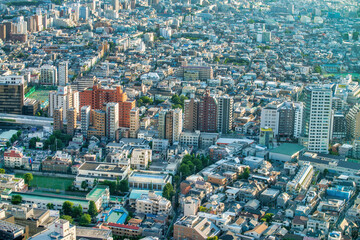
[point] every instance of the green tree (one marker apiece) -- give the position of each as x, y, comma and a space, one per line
28, 177
212, 238
124, 185
185, 170
19, 133
168, 191
77, 211
111, 185
267, 217
93, 211
356, 36
245, 174
317, 69
67, 208
16, 199
326, 171
85, 220
2, 171
84, 185
50, 206
67, 217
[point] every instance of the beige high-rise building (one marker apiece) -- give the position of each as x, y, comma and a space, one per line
134, 122
353, 123
58, 119
71, 121
191, 107
98, 124
170, 124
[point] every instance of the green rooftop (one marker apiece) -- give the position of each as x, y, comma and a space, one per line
96, 192
288, 149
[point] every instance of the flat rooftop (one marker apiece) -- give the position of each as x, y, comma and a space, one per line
288, 149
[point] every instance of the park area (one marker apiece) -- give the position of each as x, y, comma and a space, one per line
55, 183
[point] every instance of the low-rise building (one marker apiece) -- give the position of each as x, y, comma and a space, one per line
140, 158
195, 227
153, 204
14, 158
150, 180
8, 181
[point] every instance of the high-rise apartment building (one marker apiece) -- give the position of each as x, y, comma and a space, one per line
224, 119
98, 124
11, 94
207, 113
353, 123
48, 75
71, 121
112, 120
97, 96
298, 119
170, 124
318, 117
64, 98
134, 122
339, 126
58, 119
191, 107
63, 73
85, 120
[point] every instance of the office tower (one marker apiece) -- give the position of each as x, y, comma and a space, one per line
191, 107
353, 123
12, 94
207, 113
224, 114
116, 5
133, 4
286, 120
63, 73
85, 120
170, 124
112, 120
48, 75
63, 98
84, 13
58, 119
96, 97
71, 121
134, 122
318, 118
98, 124
339, 126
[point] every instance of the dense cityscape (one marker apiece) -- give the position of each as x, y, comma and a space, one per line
179, 119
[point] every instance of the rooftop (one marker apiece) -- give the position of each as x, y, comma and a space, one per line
287, 149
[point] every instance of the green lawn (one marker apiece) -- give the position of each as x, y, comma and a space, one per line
50, 182
41, 95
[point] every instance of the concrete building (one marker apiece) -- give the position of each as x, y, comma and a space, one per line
61, 228
170, 125
318, 222
12, 231
71, 121
318, 117
191, 107
152, 204
63, 73
207, 114
353, 123
190, 139
48, 75
97, 96
140, 158
339, 127
12, 94
58, 119
204, 72
112, 120
14, 158
64, 98
85, 120
91, 171
302, 180
148, 180
134, 122
195, 227
224, 120
97, 127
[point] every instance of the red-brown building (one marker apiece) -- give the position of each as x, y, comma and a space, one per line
97, 96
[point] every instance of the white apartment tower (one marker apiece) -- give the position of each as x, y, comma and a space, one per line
63, 73
298, 119
63, 98
48, 75
112, 119
225, 114
318, 117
